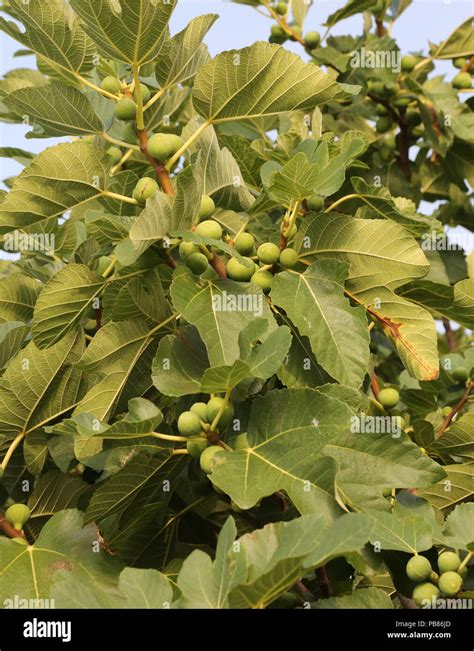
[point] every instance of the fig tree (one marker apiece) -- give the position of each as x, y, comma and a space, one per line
450, 583
17, 515
145, 189
241, 270
268, 253
207, 458
389, 398
111, 85
164, 145
244, 243
189, 424
126, 109
197, 262
418, 568
209, 228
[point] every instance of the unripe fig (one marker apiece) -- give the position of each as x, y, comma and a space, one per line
281, 8
241, 270
390, 89
384, 123
446, 411
291, 233
381, 110
413, 117
214, 406
244, 243
277, 31
316, 203
263, 279
189, 424
126, 109
115, 154
288, 258
448, 562
459, 62
402, 101
18, 515
145, 93
207, 458
312, 40
425, 592
196, 446
462, 80
389, 398
207, 207
460, 374
408, 62
418, 568
186, 249
111, 85
268, 253
241, 442
164, 145
197, 262
209, 228
200, 409
450, 583
146, 188
377, 88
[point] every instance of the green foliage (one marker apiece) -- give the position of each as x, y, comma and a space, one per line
232, 344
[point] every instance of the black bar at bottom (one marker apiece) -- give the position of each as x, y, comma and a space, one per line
161, 630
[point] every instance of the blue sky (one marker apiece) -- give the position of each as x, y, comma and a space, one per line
240, 25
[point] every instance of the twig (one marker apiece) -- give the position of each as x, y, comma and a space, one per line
324, 584
456, 409
375, 386
451, 337
9, 529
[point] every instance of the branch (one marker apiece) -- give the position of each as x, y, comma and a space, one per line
381, 31
456, 409
218, 266
375, 386
451, 337
9, 529
468, 64
324, 584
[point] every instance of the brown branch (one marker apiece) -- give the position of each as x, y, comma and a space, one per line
169, 260
399, 118
375, 386
456, 409
218, 266
160, 170
324, 584
451, 337
468, 64
381, 31
9, 529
